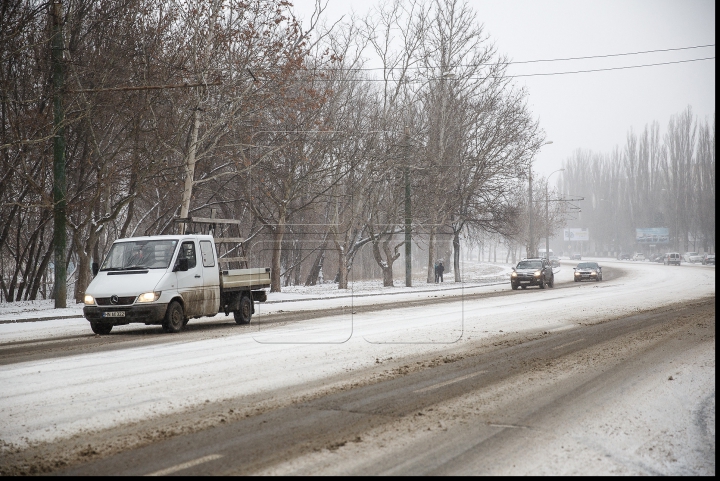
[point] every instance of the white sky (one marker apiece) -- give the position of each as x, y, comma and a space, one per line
595, 110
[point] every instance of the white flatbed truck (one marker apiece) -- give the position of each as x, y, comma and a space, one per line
169, 280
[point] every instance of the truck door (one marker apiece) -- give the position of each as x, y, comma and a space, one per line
190, 282
211, 279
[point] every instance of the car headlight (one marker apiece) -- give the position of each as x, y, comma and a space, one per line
537, 273
514, 274
593, 273
148, 297
577, 273
89, 300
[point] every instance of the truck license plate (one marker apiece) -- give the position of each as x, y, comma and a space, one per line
524, 282
114, 314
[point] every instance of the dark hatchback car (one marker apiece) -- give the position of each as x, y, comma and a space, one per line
708, 260
588, 271
532, 272
659, 258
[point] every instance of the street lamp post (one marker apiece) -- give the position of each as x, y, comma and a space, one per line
531, 241
547, 216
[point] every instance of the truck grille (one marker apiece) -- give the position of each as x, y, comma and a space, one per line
121, 301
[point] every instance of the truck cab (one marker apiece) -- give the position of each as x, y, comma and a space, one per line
168, 280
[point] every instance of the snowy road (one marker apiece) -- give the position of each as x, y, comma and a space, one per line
136, 386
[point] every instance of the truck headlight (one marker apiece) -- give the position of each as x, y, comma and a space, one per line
537, 273
89, 300
577, 273
148, 297
514, 274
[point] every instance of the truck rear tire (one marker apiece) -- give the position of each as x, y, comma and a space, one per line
174, 318
101, 327
244, 314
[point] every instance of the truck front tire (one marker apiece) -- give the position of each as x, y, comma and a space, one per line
100, 327
244, 314
174, 318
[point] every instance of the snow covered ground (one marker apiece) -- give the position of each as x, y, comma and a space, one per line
57, 398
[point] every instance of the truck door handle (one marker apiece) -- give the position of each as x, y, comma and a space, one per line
197, 276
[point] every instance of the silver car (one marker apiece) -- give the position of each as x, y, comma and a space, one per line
588, 271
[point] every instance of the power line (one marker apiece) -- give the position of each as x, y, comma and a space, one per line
611, 68
607, 55
642, 52
522, 75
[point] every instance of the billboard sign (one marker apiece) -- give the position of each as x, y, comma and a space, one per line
576, 234
652, 235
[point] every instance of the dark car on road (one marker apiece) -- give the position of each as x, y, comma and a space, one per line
532, 272
708, 260
657, 258
588, 271
624, 257
575, 257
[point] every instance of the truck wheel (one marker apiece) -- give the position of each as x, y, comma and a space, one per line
514, 286
101, 327
174, 318
552, 282
243, 315
542, 283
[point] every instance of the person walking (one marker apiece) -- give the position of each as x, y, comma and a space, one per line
440, 270
436, 272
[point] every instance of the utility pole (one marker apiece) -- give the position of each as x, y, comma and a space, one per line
408, 216
531, 242
532, 250
59, 187
547, 216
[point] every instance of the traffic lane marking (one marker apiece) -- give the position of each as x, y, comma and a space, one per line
188, 464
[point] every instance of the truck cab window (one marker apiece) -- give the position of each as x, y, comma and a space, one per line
187, 251
207, 254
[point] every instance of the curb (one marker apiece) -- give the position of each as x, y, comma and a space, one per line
36, 319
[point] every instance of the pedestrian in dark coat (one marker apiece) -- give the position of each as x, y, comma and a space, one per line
440, 270
436, 272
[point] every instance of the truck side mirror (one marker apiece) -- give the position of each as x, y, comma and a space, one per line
95, 268
181, 265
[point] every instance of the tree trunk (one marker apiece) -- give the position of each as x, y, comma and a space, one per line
388, 276
190, 167
342, 263
83, 275
312, 277
431, 256
456, 255
277, 253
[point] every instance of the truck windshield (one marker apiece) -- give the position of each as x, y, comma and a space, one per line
145, 254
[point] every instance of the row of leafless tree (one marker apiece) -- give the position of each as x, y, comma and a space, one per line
175, 108
653, 181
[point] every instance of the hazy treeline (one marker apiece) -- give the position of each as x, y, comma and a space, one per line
653, 181
175, 108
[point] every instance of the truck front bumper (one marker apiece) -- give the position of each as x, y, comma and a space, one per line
117, 316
